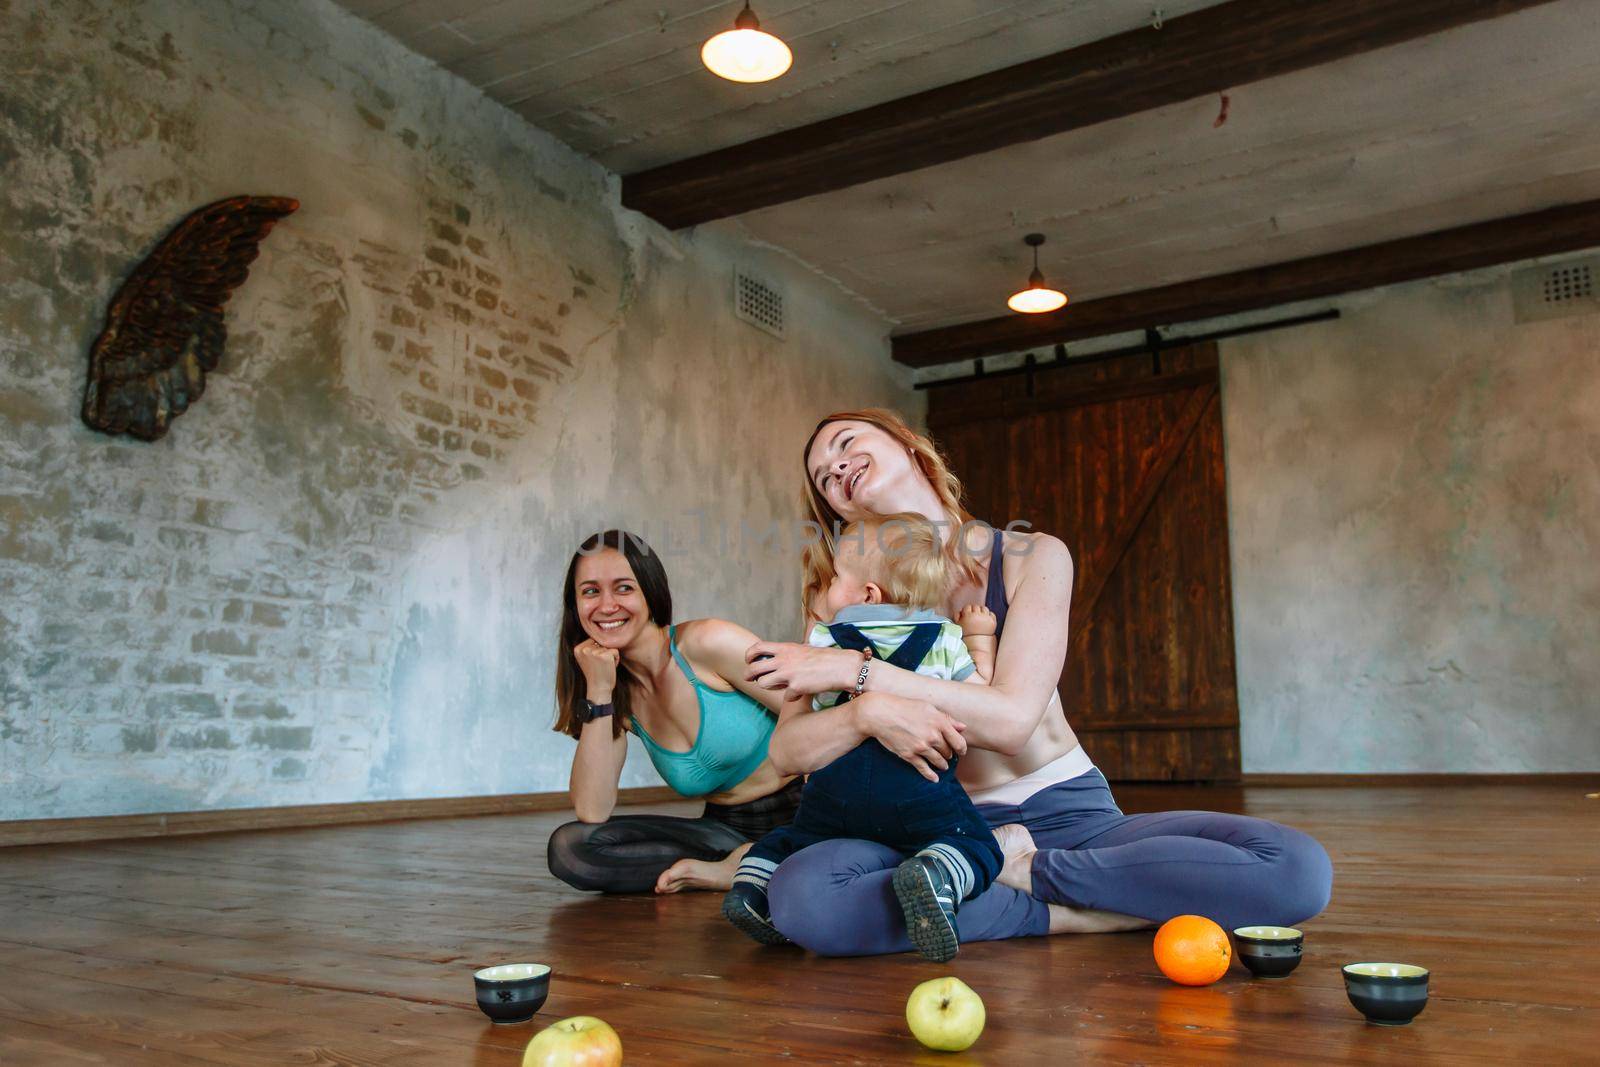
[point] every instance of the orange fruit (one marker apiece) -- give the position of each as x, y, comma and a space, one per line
1192, 950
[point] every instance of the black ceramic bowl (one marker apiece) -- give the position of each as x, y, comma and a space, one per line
512, 992
1388, 994
1268, 951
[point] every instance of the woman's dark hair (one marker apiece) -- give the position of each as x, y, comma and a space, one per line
652, 579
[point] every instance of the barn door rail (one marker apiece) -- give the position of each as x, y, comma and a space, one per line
1155, 342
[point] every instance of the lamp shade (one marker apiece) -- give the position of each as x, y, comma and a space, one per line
746, 53
1037, 297
1033, 301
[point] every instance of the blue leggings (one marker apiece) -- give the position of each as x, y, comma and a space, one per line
836, 898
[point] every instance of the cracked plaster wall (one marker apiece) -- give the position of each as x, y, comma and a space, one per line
337, 578
1414, 509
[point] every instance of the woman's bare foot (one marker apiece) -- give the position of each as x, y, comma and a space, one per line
1017, 845
701, 874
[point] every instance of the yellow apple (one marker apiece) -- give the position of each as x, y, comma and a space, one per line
945, 1014
581, 1041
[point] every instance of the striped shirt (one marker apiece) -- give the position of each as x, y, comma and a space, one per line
887, 626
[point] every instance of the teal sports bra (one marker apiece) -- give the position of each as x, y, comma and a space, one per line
725, 754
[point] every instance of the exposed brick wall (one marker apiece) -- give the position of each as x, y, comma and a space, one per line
335, 578
478, 361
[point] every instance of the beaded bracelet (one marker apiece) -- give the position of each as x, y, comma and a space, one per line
866, 664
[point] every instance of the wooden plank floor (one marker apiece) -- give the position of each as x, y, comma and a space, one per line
356, 946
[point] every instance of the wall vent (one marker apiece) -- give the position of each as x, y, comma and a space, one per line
759, 304
1568, 283
1557, 290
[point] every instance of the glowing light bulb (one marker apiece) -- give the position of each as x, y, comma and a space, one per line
1037, 297
746, 53
1035, 301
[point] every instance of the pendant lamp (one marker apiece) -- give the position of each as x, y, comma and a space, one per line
1037, 297
746, 53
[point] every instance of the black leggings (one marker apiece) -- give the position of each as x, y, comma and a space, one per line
627, 853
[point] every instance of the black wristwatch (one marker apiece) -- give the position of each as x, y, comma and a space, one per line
593, 711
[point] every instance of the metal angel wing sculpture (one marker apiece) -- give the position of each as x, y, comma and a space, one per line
164, 329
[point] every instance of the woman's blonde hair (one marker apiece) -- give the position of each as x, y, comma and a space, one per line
817, 556
901, 555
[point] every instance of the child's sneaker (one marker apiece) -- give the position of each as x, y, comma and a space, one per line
928, 896
745, 906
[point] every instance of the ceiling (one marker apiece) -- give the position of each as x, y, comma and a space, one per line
1491, 119
621, 80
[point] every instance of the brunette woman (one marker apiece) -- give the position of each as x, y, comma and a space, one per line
622, 666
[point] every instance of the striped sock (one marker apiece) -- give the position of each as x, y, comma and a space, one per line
955, 866
754, 871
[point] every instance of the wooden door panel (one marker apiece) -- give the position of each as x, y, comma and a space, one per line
1191, 754
982, 447
1125, 466
1174, 580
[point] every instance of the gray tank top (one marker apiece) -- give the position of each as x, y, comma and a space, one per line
994, 594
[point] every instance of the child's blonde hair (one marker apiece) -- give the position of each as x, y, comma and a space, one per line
903, 557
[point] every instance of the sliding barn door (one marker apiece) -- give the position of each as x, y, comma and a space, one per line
1123, 461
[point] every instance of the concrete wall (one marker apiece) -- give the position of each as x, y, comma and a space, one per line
337, 578
1414, 500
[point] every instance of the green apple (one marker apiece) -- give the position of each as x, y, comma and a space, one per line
945, 1014
581, 1041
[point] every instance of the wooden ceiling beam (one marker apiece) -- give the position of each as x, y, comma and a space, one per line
1485, 244
1205, 52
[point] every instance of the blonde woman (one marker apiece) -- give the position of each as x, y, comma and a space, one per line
1074, 862
888, 579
